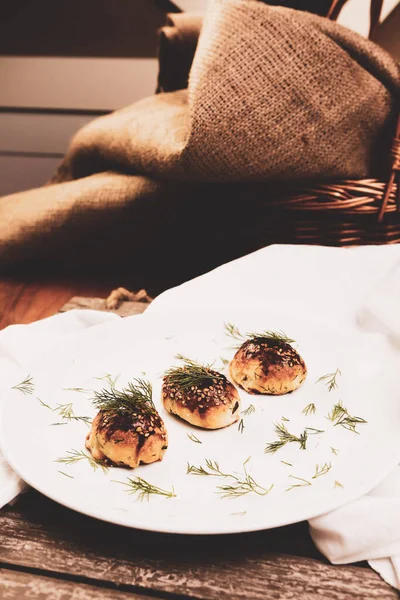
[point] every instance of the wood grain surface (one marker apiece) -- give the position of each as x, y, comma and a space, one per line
15, 585
41, 536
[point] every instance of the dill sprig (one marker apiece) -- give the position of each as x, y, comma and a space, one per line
44, 403
78, 389
303, 483
310, 409
144, 489
224, 361
338, 411
330, 379
285, 437
313, 431
257, 337
241, 484
108, 378
286, 463
74, 456
322, 470
341, 416
26, 386
334, 450
66, 475
192, 373
136, 397
249, 410
239, 514
241, 426
338, 484
193, 438
66, 412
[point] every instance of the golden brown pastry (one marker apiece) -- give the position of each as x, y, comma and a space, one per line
201, 396
267, 365
128, 430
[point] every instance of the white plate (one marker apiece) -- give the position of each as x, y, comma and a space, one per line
368, 387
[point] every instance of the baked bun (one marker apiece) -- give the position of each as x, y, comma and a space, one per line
127, 440
128, 430
265, 365
200, 396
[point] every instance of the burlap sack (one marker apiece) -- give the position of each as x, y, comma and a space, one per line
177, 47
274, 94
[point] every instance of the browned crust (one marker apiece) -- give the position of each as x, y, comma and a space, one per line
211, 406
127, 439
267, 367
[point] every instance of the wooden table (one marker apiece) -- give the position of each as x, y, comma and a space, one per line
48, 551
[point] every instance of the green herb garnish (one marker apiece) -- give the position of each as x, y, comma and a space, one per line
108, 378
310, 409
44, 403
74, 456
66, 475
136, 397
241, 426
330, 379
195, 439
26, 386
241, 484
144, 489
249, 410
322, 470
340, 416
303, 483
66, 412
263, 336
285, 438
191, 374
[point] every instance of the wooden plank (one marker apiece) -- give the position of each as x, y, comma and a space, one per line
19, 173
15, 585
75, 83
29, 132
44, 535
25, 302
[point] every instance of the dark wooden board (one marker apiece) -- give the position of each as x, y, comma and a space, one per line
15, 585
42, 535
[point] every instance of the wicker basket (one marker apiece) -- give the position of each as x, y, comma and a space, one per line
339, 213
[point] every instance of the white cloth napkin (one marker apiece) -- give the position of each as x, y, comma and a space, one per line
20, 345
356, 286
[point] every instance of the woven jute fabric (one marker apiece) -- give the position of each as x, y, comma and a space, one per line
274, 95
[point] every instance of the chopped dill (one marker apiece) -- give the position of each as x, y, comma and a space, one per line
26, 386
260, 337
285, 438
241, 484
310, 409
303, 483
193, 438
144, 489
322, 470
330, 379
74, 456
